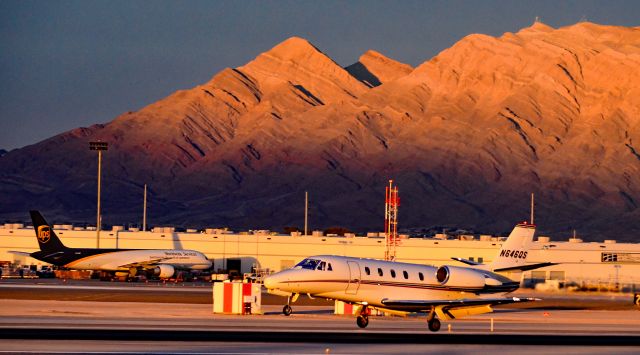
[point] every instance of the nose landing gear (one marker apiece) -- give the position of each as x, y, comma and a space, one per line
286, 310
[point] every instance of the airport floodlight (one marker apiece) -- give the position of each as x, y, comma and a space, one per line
98, 146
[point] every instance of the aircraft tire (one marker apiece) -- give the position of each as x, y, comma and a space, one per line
362, 321
434, 325
286, 310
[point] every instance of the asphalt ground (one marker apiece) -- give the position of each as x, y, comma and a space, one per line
105, 291
319, 337
57, 316
201, 293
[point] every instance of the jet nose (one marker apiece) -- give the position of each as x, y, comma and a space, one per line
270, 281
278, 280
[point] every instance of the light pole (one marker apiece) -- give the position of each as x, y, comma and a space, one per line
99, 146
306, 211
144, 210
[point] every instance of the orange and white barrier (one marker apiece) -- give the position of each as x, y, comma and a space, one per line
237, 298
348, 308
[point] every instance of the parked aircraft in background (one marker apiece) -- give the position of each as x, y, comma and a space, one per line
447, 292
163, 263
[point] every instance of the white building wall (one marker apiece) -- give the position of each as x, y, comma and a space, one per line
577, 261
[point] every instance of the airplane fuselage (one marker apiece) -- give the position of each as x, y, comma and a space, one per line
114, 259
370, 281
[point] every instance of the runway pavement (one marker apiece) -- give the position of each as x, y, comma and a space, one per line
200, 293
98, 314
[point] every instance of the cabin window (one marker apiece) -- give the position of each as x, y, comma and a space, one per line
420, 276
380, 273
329, 268
393, 273
367, 270
405, 274
309, 264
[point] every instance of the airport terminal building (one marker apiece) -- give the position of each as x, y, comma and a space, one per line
599, 265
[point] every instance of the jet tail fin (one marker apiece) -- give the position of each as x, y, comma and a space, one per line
513, 254
47, 238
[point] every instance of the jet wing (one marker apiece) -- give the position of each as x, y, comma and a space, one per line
466, 261
425, 305
524, 267
144, 264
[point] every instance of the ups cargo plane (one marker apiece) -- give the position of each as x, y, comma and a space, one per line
162, 262
444, 292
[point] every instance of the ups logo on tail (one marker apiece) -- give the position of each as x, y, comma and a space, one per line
44, 234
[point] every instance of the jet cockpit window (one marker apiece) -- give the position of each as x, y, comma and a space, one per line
309, 264
329, 268
321, 266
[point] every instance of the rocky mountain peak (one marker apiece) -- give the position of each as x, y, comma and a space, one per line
374, 69
537, 26
467, 135
296, 64
294, 48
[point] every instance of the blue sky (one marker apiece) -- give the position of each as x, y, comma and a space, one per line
66, 64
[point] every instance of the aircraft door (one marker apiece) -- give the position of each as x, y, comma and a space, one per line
354, 278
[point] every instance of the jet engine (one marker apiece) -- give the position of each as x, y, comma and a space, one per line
164, 271
454, 276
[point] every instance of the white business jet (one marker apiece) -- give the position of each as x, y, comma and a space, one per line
447, 292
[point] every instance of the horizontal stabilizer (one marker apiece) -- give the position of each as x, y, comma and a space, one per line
524, 267
467, 261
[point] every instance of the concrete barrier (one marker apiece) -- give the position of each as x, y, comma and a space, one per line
237, 298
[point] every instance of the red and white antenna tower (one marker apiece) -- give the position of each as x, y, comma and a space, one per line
392, 201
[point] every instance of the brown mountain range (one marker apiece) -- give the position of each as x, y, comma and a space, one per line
467, 135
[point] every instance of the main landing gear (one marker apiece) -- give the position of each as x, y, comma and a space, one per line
363, 318
432, 321
362, 321
434, 325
